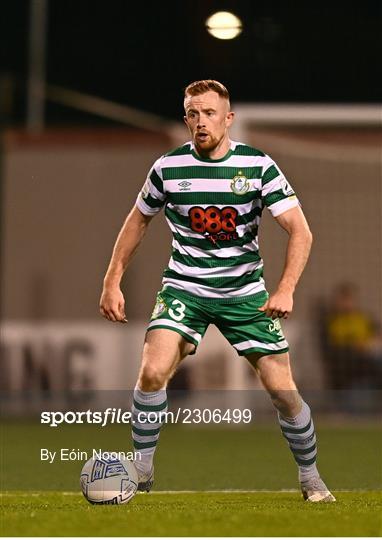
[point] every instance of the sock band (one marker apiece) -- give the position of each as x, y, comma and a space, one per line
300, 435
147, 420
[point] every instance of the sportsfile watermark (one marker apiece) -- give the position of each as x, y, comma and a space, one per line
113, 415
48, 438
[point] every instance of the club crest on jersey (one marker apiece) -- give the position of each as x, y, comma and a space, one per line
240, 184
159, 307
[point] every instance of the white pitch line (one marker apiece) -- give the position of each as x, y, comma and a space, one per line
164, 492
180, 492
174, 492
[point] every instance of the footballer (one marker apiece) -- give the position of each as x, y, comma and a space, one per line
213, 191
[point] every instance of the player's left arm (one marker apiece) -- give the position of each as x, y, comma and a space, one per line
280, 303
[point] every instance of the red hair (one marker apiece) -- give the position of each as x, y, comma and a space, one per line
201, 87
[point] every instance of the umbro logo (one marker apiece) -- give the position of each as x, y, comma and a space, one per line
184, 186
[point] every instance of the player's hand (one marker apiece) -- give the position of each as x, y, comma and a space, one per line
112, 305
279, 305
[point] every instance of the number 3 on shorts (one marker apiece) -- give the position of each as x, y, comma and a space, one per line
178, 312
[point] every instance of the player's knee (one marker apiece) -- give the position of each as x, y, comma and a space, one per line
288, 402
152, 378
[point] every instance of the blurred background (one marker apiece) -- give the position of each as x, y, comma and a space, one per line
91, 93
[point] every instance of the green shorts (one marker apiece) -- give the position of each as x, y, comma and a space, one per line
247, 329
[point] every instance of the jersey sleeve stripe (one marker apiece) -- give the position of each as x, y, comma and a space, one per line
282, 206
156, 181
270, 174
180, 151
273, 186
244, 150
145, 208
153, 191
153, 202
273, 197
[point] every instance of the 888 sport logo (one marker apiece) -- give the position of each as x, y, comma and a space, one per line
215, 223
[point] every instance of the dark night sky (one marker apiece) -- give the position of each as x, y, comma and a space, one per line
143, 54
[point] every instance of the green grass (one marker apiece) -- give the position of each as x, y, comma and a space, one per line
198, 459
196, 514
195, 458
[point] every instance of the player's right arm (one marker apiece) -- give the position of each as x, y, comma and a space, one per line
150, 201
112, 302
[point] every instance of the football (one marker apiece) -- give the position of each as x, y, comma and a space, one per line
109, 479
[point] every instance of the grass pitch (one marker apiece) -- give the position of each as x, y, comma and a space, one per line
192, 514
41, 499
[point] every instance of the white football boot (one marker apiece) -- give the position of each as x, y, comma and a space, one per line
145, 481
315, 490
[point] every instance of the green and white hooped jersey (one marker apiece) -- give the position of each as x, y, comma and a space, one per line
213, 208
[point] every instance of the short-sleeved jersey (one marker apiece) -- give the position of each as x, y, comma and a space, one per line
213, 208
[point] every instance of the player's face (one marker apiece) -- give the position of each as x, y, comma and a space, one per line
208, 118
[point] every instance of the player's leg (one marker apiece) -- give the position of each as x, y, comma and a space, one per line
175, 330
261, 340
294, 415
295, 420
162, 352
275, 373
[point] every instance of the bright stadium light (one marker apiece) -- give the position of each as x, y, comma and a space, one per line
224, 25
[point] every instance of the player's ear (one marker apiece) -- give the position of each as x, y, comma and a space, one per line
229, 118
